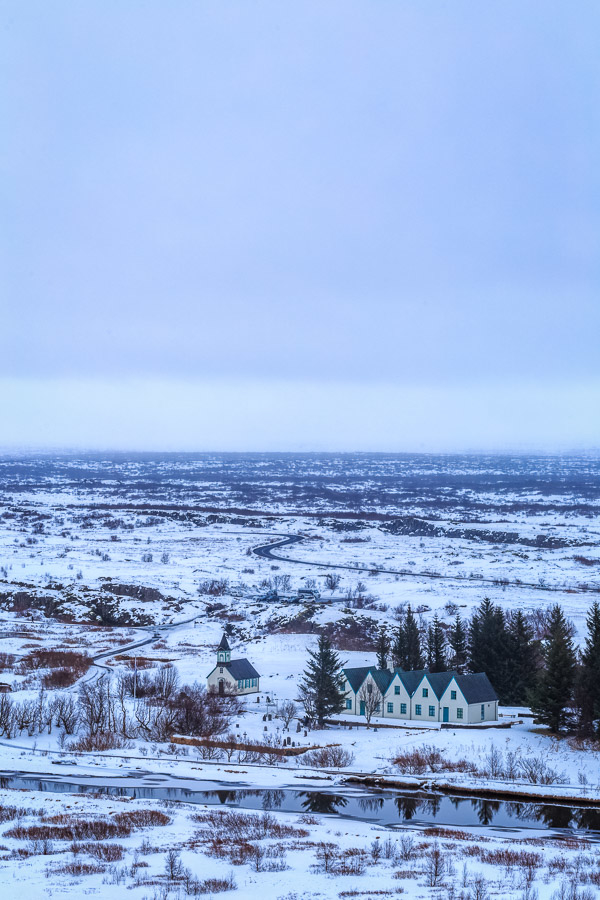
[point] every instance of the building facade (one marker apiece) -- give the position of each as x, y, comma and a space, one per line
232, 676
420, 696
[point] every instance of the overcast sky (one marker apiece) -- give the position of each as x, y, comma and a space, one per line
311, 225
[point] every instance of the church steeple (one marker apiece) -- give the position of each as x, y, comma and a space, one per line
224, 651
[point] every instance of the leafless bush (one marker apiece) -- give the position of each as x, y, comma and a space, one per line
77, 869
335, 861
233, 825
100, 851
435, 866
214, 587
328, 757
407, 848
101, 740
7, 661
429, 759
287, 711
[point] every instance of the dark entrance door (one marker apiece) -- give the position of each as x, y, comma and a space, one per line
221, 687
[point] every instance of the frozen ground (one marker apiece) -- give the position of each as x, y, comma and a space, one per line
100, 553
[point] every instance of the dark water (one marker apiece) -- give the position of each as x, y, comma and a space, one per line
388, 808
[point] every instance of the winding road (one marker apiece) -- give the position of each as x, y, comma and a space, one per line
266, 551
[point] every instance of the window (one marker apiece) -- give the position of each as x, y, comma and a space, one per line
403, 709
459, 712
432, 710
378, 708
246, 683
254, 680
369, 688
418, 709
390, 707
240, 684
425, 692
397, 690
453, 695
348, 704
221, 670
482, 711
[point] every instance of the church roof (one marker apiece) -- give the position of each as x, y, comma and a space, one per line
241, 668
224, 645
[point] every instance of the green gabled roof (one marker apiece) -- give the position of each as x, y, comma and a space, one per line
356, 677
411, 680
476, 688
439, 681
382, 678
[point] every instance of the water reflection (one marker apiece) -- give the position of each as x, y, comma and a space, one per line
326, 804
384, 807
486, 810
407, 807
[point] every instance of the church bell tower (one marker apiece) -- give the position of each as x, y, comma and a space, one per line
223, 651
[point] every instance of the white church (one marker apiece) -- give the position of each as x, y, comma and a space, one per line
232, 676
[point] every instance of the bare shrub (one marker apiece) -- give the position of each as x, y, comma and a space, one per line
429, 759
332, 581
7, 661
101, 740
435, 866
328, 757
287, 711
233, 825
76, 869
100, 851
214, 587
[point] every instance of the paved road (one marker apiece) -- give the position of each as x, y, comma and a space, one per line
97, 670
266, 551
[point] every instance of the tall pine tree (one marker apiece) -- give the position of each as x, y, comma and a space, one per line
589, 676
413, 658
436, 646
552, 697
399, 647
488, 647
319, 689
382, 647
458, 645
524, 655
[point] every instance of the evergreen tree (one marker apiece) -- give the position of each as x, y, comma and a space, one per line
399, 647
523, 653
436, 647
458, 645
488, 647
589, 676
552, 696
320, 687
382, 647
413, 658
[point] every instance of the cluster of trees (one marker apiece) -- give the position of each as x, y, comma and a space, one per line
162, 707
543, 670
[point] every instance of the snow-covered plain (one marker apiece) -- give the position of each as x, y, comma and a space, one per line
141, 536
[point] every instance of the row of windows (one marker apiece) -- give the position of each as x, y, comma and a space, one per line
346, 686
425, 692
390, 706
246, 683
